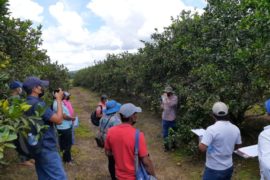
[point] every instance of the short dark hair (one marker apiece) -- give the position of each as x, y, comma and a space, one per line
103, 97
124, 119
226, 117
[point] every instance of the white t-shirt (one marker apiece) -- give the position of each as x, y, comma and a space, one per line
221, 138
264, 153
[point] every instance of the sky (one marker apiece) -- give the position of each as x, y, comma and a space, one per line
78, 33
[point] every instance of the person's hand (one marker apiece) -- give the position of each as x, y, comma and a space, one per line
59, 95
164, 97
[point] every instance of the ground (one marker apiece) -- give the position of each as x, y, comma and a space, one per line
91, 162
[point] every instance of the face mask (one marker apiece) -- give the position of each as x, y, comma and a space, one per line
42, 93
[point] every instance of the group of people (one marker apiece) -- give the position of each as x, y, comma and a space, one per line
220, 139
117, 130
47, 161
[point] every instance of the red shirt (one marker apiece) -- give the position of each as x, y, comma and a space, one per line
121, 142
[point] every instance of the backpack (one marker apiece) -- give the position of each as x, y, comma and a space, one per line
22, 143
94, 118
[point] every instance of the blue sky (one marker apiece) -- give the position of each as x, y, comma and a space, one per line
78, 32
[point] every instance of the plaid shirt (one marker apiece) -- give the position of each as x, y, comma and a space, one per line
169, 105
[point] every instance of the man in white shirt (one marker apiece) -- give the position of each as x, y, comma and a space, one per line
219, 142
264, 153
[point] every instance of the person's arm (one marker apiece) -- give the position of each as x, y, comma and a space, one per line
144, 156
107, 145
66, 117
202, 147
206, 140
99, 112
238, 142
57, 117
237, 146
148, 165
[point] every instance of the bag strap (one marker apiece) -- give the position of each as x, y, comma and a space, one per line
137, 149
106, 125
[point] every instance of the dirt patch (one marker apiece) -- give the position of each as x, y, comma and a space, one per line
91, 162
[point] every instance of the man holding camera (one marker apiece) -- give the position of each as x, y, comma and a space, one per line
169, 103
48, 162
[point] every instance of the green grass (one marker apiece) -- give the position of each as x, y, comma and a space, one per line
83, 131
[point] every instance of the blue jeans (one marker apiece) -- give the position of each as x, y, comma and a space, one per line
211, 174
166, 125
49, 166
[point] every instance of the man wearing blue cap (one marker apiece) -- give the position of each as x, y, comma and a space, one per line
48, 162
16, 89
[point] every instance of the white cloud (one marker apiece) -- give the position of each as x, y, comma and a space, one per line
26, 9
126, 22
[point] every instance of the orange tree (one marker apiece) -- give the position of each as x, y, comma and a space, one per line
221, 55
20, 57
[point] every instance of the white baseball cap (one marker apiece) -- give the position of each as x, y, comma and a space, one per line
129, 109
220, 109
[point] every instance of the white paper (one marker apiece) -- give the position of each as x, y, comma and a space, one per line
198, 132
248, 151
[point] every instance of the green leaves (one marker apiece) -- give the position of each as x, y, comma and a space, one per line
223, 55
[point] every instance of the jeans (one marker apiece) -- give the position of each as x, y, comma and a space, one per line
165, 127
49, 166
211, 174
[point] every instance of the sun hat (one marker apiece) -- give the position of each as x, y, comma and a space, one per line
15, 84
220, 109
168, 89
112, 107
129, 109
32, 82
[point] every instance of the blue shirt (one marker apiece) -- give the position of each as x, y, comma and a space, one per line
66, 124
48, 139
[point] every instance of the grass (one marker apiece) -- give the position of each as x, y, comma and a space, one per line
83, 131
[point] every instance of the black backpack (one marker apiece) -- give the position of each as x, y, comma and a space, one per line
22, 145
94, 118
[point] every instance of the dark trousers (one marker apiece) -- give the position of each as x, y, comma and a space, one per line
211, 174
65, 142
111, 167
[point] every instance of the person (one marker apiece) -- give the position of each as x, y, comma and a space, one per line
264, 153
48, 162
219, 142
169, 103
109, 119
65, 132
120, 143
69, 106
264, 148
101, 106
15, 88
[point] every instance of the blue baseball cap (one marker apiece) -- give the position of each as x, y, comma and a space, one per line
32, 82
112, 107
267, 106
15, 84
